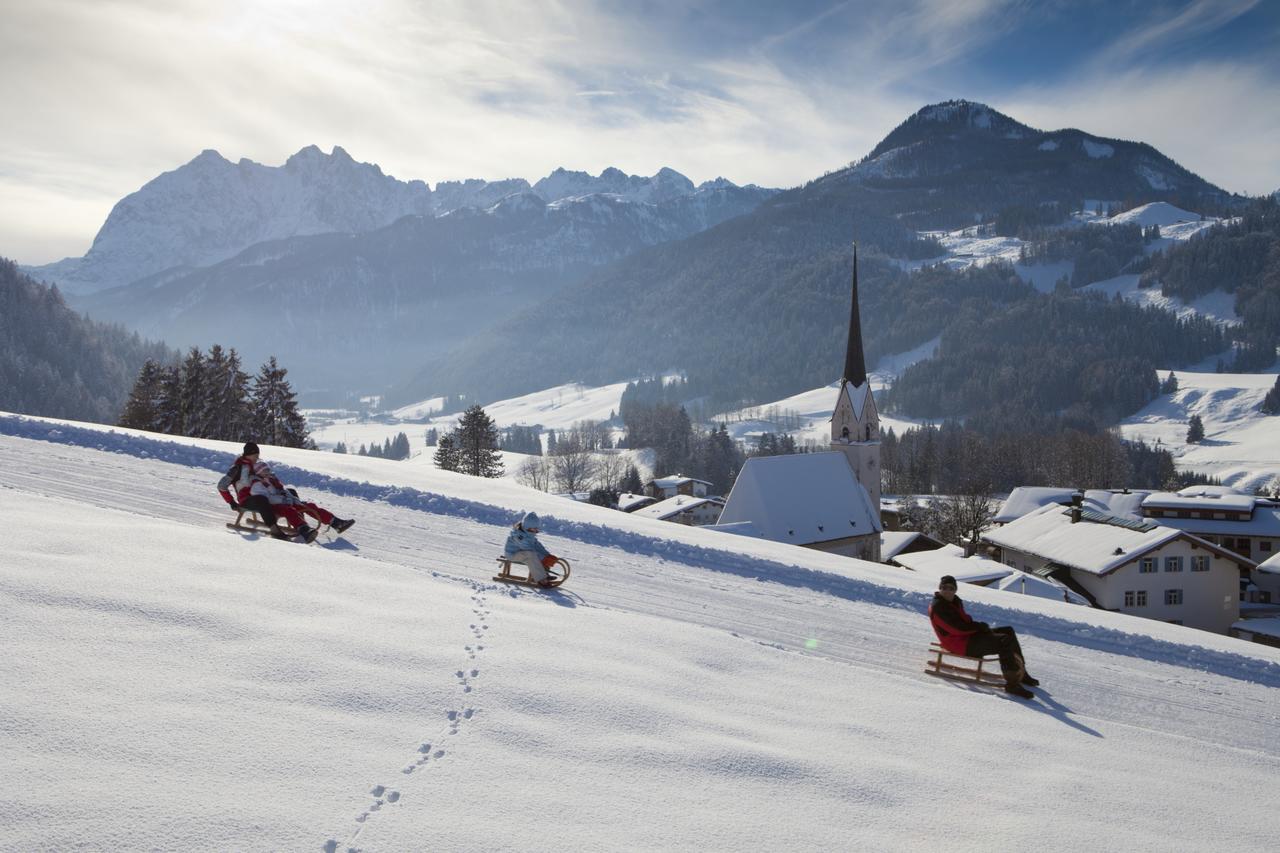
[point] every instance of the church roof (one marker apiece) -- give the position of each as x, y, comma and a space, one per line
802, 499
855, 366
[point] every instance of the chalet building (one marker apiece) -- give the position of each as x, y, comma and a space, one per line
1267, 580
895, 542
807, 499
628, 502
1246, 524
952, 560
1133, 566
828, 501
661, 488
683, 509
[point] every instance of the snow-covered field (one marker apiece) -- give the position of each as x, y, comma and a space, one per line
170, 684
1241, 445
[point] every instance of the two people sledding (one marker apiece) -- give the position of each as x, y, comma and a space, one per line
960, 634
257, 489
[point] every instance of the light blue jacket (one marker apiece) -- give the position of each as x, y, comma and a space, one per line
522, 540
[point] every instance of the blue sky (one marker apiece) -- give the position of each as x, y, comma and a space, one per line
99, 98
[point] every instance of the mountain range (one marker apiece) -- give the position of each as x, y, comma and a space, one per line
755, 306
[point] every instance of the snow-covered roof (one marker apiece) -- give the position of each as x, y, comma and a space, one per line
738, 528
1026, 499
1267, 625
1094, 546
1201, 498
894, 542
1028, 584
1265, 521
674, 482
673, 506
801, 498
950, 560
1270, 566
628, 501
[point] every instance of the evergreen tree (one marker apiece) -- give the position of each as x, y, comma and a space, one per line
169, 409
433, 436
194, 391
446, 456
1170, 384
1195, 430
276, 419
1271, 402
142, 409
340, 447
400, 447
631, 482
225, 414
477, 442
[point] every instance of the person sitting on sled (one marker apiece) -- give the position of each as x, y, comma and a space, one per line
959, 634
258, 490
523, 547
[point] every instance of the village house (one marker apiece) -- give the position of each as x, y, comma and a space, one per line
951, 560
683, 509
628, 502
661, 488
895, 542
1133, 566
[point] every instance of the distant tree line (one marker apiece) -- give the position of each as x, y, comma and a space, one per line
59, 364
210, 396
950, 459
392, 448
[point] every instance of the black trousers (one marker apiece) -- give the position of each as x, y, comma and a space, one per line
1000, 641
262, 506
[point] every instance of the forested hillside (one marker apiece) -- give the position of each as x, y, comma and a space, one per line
57, 363
1240, 257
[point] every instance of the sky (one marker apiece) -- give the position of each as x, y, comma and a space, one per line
100, 96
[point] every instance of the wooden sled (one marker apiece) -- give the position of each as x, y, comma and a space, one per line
970, 671
556, 575
255, 524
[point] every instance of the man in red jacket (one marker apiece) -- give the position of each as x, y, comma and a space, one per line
960, 634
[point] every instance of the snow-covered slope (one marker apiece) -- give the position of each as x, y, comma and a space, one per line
1241, 445
172, 685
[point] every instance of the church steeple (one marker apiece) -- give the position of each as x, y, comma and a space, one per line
855, 368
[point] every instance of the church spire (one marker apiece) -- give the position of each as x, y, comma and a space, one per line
855, 368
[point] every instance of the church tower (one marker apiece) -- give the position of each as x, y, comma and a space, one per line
855, 423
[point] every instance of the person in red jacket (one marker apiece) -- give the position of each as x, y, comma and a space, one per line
259, 490
960, 634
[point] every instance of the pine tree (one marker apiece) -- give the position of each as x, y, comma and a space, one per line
400, 447
446, 455
142, 409
193, 394
1271, 402
340, 447
226, 414
477, 441
1170, 384
276, 419
632, 483
1195, 430
169, 409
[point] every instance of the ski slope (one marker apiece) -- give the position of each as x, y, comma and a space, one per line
171, 684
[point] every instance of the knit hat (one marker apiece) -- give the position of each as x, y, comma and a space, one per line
947, 580
249, 448
530, 520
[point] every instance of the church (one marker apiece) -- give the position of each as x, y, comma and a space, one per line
828, 501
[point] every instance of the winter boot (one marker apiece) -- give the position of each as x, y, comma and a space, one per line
308, 534
341, 524
277, 533
1015, 689
1029, 681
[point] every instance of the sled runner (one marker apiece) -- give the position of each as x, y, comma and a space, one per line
255, 524
556, 575
963, 667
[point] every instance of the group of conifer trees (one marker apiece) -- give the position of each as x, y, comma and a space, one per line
210, 396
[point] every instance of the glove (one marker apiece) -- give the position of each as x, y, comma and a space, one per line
548, 561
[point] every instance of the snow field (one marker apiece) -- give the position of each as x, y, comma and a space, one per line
184, 687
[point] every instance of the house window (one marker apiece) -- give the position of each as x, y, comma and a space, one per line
1173, 564
1220, 515
1147, 566
1173, 596
1200, 564
1142, 598
1135, 598
1264, 544
1129, 598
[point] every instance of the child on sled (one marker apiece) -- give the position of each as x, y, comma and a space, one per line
523, 547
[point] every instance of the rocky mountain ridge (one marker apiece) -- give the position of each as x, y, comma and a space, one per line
210, 209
